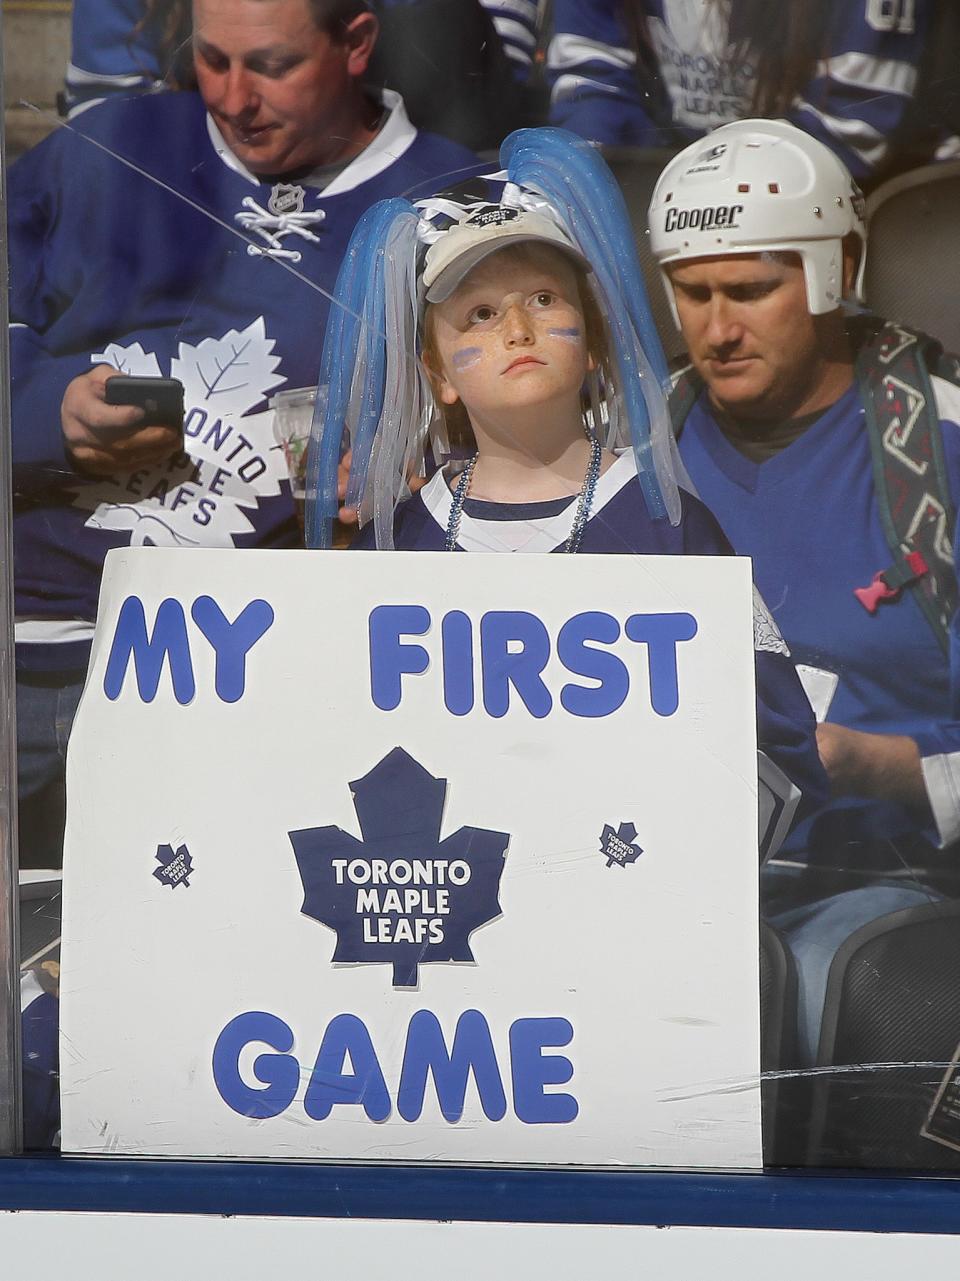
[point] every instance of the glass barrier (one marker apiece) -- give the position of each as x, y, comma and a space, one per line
184, 184
10, 1045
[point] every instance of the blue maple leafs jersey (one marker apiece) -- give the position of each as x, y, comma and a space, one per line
855, 102
139, 241
809, 518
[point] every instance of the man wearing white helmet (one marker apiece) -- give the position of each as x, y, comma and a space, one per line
828, 445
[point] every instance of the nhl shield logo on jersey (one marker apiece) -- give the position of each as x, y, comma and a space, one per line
286, 198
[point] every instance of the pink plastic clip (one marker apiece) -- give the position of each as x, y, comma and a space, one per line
880, 590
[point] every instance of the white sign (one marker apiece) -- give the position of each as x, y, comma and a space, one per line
415, 857
151, 1247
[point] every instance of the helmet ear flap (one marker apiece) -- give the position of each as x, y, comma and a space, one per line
823, 269
823, 273
669, 290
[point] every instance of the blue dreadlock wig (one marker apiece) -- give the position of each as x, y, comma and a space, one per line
379, 401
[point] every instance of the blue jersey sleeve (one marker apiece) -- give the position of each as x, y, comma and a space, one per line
38, 217
863, 86
592, 69
108, 55
515, 22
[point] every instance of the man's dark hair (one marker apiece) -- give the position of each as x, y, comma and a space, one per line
784, 42
332, 16
168, 25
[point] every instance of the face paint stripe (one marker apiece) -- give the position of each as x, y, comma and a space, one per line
572, 335
466, 357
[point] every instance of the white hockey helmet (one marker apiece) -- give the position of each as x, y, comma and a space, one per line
755, 186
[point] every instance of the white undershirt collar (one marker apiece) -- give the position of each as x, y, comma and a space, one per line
389, 144
543, 535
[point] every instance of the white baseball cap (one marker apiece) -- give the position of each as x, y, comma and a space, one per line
458, 250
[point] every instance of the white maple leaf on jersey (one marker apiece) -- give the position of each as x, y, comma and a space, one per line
202, 500
228, 375
132, 361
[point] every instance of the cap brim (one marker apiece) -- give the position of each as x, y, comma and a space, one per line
455, 272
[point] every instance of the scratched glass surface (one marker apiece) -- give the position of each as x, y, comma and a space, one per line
183, 181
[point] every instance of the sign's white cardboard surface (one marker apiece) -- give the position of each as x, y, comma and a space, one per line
568, 975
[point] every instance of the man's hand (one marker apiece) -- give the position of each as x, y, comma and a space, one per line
101, 439
885, 766
348, 515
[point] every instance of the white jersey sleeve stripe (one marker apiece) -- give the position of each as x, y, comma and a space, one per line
861, 138
572, 51
515, 33
941, 775
78, 76
864, 72
525, 10
570, 86
949, 149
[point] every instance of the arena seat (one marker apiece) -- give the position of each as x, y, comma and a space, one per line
785, 1100
637, 171
913, 263
891, 1022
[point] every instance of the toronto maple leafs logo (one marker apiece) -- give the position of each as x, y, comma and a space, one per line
401, 895
230, 460
618, 846
175, 868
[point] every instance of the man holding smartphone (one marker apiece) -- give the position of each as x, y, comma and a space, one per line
193, 237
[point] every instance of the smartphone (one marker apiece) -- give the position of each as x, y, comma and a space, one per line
161, 399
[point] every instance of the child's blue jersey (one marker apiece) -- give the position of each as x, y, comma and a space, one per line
620, 525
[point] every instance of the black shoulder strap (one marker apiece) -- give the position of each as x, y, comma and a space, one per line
909, 470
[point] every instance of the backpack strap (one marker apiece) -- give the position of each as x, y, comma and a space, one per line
909, 471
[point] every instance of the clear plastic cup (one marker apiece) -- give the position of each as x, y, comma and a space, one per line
292, 419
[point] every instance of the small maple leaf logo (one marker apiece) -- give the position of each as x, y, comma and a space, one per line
175, 868
401, 895
618, 847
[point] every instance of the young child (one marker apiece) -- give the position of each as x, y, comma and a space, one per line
512, 333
